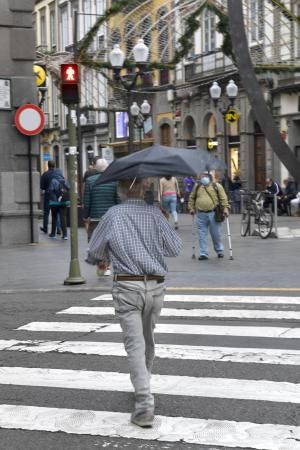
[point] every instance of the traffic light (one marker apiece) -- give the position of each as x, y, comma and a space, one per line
69, 83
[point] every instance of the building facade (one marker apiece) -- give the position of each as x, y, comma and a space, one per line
274, 40
58, 29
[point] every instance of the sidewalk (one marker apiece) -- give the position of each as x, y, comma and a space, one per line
258, 263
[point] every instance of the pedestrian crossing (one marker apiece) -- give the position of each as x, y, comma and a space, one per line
243, 379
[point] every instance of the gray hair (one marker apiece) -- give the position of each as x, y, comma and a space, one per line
133, 187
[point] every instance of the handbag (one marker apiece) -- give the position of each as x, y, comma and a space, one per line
219, 213
219, 210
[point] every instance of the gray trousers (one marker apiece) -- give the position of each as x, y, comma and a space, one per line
138, 305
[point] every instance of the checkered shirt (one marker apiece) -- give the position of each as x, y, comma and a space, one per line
135, 236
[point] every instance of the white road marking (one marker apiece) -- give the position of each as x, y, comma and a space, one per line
191, 352
168, 328
261, 390
166, 429
271, 300
213, 313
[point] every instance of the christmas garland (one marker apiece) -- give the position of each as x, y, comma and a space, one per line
185, 42
285, 11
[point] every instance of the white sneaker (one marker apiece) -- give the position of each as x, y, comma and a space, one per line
107, 273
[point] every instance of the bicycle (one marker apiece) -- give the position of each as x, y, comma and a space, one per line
255, 208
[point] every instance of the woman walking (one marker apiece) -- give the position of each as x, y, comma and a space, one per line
169, 191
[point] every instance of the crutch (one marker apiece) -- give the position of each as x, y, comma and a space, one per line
229, 238
193, 236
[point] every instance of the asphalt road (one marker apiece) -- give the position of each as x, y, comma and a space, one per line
20, 309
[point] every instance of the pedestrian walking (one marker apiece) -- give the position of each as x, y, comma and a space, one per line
89, 172
203, 201
97, 199
188, 184
235, 190
59, 200
45, 181
136, 237
169, 191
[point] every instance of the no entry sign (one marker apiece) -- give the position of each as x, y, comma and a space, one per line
29, 119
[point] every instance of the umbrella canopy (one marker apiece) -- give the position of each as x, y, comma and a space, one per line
158, 161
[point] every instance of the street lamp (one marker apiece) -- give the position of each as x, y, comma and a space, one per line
117, 57
140, 114
231, 93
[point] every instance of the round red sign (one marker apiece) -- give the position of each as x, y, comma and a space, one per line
29, 119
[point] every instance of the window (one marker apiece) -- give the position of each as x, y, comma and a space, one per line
87, 18
64, 27
129, 38
100, 7
256, 20
53, 39
163, 43
43, 28
115, 37
209, 30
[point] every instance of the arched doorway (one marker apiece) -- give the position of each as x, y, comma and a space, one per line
189, 132
165, 135
259, 157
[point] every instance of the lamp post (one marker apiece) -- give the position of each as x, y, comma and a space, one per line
117, 58
231, 93
140, 114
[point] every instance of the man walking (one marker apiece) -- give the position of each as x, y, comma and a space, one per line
203, 200
45, 182
98, 198
136, 237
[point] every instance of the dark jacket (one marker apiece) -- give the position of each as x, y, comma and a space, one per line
47, 177
290, 190
98, 198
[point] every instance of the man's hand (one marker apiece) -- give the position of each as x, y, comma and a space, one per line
226, 212
192, 211
86, 223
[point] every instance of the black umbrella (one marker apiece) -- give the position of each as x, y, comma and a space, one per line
157, 161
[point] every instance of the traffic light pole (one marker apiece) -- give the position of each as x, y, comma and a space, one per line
74, 271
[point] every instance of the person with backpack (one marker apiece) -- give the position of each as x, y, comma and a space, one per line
46, 179
209, 202
59, 199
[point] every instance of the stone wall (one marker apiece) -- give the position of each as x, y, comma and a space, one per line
16, 63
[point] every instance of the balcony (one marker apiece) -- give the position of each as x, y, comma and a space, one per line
205, 64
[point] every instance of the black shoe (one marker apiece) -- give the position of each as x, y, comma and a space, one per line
202, 257
43, 230
220, 255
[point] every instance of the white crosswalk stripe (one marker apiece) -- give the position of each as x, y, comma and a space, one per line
223, 432
165, 328
201, 313
192, 352
261, 390
221, 299
166, 429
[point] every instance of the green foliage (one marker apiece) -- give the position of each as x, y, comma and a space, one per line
284, 10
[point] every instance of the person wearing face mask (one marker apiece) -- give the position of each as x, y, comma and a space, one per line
203, 200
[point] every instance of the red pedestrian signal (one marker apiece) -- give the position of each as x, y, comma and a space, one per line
69, 83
